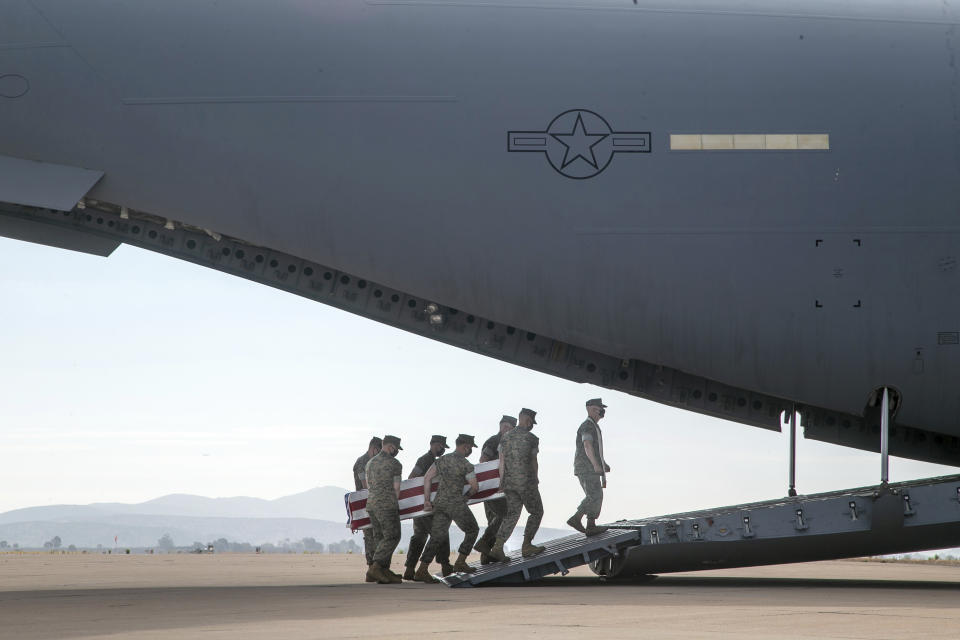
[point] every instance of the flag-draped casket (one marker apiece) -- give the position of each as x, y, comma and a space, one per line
411, 495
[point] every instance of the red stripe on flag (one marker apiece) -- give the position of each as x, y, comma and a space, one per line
357, 524
416, 491
486, 475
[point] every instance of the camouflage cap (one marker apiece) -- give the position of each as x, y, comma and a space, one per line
465, 439
441, 440
376, 442
529, 412
510, 419
596, 402
394, 440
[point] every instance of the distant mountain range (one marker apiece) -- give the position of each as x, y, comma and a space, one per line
317, 513
321, 503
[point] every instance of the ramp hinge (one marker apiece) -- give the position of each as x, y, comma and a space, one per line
907, 507
801, 523
747, 530
853, 511
562, 569
654, 536
696, 531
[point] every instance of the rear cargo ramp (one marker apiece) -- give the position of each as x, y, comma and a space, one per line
905, 517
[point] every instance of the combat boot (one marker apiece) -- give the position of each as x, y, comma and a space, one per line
461, 565
395, 578
529, 549
575, 522
485, 559
482, 546
409, 572
592, 528
378, 574
496, 552
423, 574
369, 578
446, 568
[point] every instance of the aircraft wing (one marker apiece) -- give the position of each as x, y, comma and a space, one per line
44, 185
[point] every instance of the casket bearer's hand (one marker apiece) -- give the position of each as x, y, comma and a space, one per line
427, 486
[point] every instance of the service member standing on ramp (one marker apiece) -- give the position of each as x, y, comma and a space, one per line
454, 470
423, 524
495, 509
518, 478
360, 480
591, 469
383, 495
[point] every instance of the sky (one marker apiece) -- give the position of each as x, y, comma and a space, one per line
128, 378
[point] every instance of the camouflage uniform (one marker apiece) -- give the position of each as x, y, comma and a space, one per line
495, 509
424, 524
519, 448
590, 480
382, 471
454, 471
359, 473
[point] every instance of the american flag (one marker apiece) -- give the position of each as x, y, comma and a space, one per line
411, 495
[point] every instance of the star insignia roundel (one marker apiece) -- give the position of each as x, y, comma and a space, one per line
578, 143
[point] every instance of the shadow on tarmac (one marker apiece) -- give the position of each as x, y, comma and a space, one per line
723, 582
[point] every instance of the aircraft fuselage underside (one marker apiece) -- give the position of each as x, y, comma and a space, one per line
100, 227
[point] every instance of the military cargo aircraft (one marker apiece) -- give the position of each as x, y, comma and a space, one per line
745, 209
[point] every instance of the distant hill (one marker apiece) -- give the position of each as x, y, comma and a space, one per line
317, 513
320, 503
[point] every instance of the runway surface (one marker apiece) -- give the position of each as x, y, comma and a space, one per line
240, 596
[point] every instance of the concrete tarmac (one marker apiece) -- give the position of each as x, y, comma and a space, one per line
240, 596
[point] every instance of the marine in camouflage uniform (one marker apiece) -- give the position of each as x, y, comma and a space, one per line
423, 524
383, 485
590, 468
495, 509
360, 482
450, 505
519, 469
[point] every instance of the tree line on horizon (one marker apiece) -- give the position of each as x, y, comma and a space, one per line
166, 544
